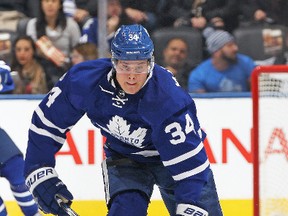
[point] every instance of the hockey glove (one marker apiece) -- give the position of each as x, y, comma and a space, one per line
190, 210
47, 189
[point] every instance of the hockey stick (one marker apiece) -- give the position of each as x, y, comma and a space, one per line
66, 207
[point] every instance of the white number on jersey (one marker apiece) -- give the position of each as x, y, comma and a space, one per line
53, 95
179, 136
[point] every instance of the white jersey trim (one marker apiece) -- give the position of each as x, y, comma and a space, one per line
47, 122
192, 172
2, 207
147, 153
184, 156
46, 133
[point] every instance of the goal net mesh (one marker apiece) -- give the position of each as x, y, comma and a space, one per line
273, 143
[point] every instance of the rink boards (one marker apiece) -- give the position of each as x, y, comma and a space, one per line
227, 121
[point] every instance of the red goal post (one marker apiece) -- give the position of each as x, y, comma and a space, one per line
270, 145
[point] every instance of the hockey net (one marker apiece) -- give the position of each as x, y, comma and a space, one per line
270, 140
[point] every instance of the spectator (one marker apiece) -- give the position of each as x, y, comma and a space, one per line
250, 13
115, 18
11, 160
166, 14
83, 52
200, 13
142, 12
188, 13
80, 10
263, 11
55, 35
30, 71
11, 11
226, 70
222, 14
175, 59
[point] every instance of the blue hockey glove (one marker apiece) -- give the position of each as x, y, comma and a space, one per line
47, 189
190, 210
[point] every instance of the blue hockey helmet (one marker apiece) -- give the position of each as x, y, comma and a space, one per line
6, 81
132, 42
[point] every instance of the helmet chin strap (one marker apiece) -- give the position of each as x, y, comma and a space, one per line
113, 60
117, 85
151, 64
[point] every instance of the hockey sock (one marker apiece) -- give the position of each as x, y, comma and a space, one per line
24, 199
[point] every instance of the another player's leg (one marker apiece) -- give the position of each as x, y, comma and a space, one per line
13, 172
3, 211
128, 187
209, 199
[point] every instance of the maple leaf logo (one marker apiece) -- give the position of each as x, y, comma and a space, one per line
119, 128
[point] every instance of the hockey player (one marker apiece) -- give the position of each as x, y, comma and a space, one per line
11, 160
153, 134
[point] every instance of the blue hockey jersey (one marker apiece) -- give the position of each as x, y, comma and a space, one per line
8, 149
157, 123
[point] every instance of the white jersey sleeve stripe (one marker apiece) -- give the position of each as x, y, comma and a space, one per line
2, 207
46, 133
192, 172
47, 122
184, 156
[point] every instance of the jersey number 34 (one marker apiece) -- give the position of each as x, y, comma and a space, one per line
176, 131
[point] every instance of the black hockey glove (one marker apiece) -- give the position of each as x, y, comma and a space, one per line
48, 189
190, 210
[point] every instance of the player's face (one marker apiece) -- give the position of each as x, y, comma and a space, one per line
131, 75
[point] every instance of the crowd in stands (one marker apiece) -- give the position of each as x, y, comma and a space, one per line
61, 33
